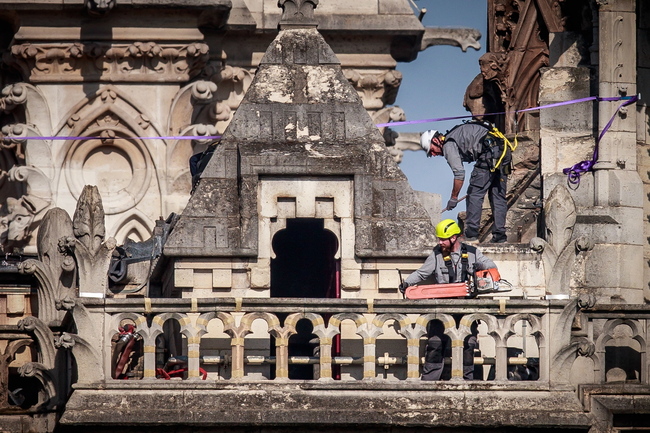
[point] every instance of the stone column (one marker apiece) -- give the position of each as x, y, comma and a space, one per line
617, 260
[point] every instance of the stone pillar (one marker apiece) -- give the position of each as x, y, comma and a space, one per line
566, 132
616, 262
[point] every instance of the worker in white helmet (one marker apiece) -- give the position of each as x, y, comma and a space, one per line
475, 142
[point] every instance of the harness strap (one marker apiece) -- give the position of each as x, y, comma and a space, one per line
506, 145
450, 268
464, 260
465, 250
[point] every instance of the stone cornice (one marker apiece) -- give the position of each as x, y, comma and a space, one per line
134, 62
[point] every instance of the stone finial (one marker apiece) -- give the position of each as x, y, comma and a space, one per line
297, 13
99, 7
91, 250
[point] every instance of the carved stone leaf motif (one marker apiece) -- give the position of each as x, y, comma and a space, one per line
53, 269
560, 213
92, 253
88, 223
133, 62
56, 225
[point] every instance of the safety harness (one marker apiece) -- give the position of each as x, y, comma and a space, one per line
464, 260
497, 150
495, 145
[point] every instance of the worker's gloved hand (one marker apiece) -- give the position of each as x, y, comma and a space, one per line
452, 203
403, 286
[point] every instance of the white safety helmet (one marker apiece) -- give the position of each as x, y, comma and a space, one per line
425, 139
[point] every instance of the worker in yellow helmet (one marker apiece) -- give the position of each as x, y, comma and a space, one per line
450, 261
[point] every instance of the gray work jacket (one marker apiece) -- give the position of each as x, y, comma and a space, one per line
435, 266
463, 143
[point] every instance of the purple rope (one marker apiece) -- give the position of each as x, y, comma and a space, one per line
540, 107
173, 137
629, 100
575, 171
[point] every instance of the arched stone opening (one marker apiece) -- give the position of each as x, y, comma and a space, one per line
304, 265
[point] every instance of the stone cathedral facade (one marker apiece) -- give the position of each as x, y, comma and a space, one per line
258, 292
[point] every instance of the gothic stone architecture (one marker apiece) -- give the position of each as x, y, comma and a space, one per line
267, 301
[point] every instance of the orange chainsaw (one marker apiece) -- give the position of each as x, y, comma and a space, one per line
484, 281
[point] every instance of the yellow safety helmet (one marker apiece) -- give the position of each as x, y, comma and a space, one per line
447, 228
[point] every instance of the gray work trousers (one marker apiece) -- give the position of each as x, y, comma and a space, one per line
483, 181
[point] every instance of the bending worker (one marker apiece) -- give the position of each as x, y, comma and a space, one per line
451, 261
481, 143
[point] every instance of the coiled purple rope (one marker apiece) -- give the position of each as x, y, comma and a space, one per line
577, 170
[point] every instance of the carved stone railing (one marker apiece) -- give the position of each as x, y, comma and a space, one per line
367, 322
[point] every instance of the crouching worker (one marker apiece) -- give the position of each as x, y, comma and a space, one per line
451, 261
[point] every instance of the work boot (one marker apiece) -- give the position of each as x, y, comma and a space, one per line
499, 239
471, 236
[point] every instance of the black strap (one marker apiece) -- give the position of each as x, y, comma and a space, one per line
448, 263
465, 251
450, 269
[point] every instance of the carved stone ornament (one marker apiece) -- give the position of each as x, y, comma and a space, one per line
297, 12
55, 266
12, 96
91, 250
78, 62
376, 90
22, 215
460, 37
232, 82
558, 252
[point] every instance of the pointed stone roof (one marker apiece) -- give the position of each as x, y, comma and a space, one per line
301, 118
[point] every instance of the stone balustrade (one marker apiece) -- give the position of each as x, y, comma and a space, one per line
371, 336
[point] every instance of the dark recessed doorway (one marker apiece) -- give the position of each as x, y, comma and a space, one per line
304, 266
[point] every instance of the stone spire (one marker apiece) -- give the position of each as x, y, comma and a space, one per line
301, 120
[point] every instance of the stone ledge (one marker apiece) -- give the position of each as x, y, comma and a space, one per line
291, 406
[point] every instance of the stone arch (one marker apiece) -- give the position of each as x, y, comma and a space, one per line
119, 130
391, 330
625, 358
485, 328
171, 334
304, 263
132, 350
282, 199
215, 332
518, 346
133, 222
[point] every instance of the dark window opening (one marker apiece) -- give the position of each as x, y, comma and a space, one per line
304, 266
